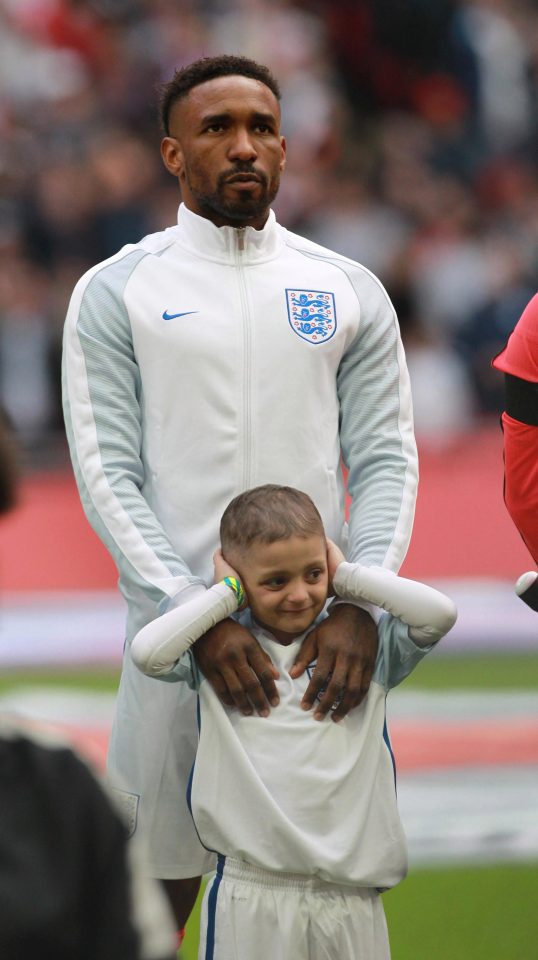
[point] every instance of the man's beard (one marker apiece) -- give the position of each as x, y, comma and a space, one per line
244, 206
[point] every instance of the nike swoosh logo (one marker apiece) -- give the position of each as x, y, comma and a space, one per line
174, 316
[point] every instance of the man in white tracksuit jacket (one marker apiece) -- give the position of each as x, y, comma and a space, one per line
219, 354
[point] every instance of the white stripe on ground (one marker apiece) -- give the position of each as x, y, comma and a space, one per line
473, 815
467, 814
62, 628
51, 704
459, 706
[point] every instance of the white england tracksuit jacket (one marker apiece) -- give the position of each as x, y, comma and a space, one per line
203, 361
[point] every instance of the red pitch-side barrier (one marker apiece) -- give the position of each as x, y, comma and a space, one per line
461, 529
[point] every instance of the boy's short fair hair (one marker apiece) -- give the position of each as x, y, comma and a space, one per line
210, 68
266, 514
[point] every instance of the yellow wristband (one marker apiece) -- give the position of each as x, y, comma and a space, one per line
237, 588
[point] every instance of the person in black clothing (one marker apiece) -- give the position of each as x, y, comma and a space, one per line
71, 884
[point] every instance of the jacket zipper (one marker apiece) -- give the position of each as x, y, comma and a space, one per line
247, 372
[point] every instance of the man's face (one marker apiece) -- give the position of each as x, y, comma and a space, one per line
286, 583
225, 147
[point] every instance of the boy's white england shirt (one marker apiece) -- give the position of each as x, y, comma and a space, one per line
290, 793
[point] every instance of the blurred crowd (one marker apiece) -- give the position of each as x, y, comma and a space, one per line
412, 147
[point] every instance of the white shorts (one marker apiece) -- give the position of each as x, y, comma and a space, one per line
151, 752
250, 913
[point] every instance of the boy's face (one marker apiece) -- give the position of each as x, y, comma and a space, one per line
286, 583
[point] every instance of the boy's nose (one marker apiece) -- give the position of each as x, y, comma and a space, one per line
297, 593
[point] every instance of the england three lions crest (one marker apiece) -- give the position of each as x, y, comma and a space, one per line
312, 314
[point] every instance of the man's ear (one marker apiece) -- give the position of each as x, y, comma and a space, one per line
172, 155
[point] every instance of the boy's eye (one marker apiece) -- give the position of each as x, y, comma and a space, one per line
275, 583
315, 575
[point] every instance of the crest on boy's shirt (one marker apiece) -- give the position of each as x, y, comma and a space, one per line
310, 673
312, 314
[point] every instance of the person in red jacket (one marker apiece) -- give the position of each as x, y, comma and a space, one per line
519, 363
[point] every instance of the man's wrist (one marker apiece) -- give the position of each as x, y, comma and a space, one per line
369, 608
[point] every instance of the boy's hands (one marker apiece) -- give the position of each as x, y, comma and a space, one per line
345, 646
240, 672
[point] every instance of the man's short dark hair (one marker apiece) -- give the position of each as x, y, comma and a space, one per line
209, 68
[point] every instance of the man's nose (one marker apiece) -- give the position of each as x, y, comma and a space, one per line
242, 146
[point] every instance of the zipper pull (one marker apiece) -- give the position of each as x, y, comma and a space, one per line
241, 239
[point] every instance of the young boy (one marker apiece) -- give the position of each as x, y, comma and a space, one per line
302, 813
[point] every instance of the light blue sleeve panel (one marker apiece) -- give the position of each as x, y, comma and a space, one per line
397, 654
376, 433
186, 670
101, 396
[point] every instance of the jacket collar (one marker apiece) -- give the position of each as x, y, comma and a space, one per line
203, 238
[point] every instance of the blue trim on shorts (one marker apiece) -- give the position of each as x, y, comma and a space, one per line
212, 909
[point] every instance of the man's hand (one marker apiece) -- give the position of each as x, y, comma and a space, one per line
222, 568
240, 672
345, 647
334, 558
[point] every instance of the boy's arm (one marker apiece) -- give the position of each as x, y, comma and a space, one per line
160, 644
428, 613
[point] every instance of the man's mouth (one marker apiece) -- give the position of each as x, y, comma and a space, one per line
244, 178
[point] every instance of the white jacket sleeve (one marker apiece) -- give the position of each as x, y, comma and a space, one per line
159, 645
428, 613
376, 433
101, 398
